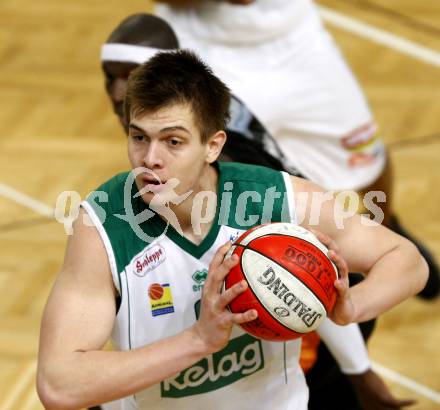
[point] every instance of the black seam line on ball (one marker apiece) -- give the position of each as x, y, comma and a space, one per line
261, 304
303, 240
274, 261
297, 237
317, 297
257, 298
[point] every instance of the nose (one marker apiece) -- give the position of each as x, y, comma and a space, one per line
154, 156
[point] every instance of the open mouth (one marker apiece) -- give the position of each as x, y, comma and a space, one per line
149, 179
152, 182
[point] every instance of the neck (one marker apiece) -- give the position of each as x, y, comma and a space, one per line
196, 213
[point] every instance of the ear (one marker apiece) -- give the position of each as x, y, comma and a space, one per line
214, 146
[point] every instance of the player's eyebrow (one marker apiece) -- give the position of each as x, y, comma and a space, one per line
175, 128
135, 127
163, 130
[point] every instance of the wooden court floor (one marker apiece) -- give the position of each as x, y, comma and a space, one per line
57, 133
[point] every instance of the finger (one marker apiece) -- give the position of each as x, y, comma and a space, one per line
220, 255
222, 271
341, 290
217, 276
248, 316
342, 287
229, 295
217, 260
340, 263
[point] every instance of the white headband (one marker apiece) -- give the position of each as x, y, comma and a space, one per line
126, 53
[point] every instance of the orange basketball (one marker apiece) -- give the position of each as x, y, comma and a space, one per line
290, 277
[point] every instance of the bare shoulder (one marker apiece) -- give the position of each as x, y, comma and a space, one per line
310, 201
85, 252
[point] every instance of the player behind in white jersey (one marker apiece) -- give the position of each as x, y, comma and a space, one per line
135, 40
278, 58
179, 347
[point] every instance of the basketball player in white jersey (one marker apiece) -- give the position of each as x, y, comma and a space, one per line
277, 57
179, 347
136, 39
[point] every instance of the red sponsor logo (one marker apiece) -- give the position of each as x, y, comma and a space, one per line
360, 137
149, 260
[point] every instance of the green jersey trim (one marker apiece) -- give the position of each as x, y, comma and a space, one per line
190, 247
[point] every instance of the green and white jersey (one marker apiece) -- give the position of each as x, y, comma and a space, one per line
160, 282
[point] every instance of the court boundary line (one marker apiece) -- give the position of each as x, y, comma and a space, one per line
406, 382
26, 200
379, 36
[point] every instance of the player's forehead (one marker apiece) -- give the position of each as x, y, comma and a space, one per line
118, 68
175, 114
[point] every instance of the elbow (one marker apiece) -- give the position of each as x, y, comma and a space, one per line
424, 275
51, 397
421, 270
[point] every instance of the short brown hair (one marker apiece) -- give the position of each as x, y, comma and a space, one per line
179, 77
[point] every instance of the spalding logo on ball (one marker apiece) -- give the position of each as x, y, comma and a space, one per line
290, 277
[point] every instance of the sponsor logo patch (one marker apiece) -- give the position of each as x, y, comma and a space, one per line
363, 145
242, 357
149, 260
199, 277
360, 138
161, 299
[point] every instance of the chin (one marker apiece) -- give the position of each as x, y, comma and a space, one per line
146, 198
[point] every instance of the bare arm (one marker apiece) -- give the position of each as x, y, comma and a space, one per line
373, 393
395, 269
74, 371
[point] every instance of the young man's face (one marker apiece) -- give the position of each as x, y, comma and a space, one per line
168, 142
116, 76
